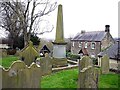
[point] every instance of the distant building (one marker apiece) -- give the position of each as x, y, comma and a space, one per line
113, 53
4, 44
92, 42
45, 47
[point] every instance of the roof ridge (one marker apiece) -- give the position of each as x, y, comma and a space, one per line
91, 36
95, 31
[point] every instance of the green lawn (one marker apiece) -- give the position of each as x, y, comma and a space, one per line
62, 79
7, 61
69, 78
109, 81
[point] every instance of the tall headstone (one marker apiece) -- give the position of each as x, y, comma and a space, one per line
88, 75
59, 45
105, 64
46, 65
29, 54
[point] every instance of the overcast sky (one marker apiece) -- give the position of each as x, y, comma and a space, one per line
88, 15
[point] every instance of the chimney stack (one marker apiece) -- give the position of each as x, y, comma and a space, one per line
107, 28
82, 31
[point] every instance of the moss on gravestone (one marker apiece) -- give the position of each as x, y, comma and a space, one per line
105, 64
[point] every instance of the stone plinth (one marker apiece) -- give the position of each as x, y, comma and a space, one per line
59, 51
59, 62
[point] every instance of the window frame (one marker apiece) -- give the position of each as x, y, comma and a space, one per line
73, 43
80, 45
93, 43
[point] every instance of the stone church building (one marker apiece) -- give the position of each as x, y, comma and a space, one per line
92, 43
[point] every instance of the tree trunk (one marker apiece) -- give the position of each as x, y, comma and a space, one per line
25, 39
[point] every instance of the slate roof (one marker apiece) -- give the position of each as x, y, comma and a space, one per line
90, 36
112, 51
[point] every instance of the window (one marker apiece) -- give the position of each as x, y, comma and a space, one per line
73, 44
80, 44
85, 44
93, 45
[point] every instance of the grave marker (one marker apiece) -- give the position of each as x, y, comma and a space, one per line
29, 54
105, 64
59, 45
21, 76
88, 75
46, 65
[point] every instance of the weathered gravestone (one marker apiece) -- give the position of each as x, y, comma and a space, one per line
105, 64
88, 75
29, 54
21, 76
46, 65
4, 52
84, 62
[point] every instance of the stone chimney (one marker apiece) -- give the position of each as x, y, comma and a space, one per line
107, 28
82, 31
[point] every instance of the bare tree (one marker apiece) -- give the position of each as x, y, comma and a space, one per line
10, 22
28, 14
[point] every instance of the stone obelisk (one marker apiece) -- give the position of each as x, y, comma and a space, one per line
59, 45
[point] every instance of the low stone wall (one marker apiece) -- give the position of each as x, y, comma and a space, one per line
64, 68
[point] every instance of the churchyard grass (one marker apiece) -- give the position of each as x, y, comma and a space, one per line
7, 61
69, 79
62, 79
109, 80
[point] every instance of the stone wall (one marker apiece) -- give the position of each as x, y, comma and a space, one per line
21, 76
107, 41
113, 64
75, 49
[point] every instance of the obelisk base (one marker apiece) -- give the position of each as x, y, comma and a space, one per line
59, 62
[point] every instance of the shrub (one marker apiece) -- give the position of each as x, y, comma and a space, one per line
73, 56
11, 51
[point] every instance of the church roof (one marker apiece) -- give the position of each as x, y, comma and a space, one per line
90, 36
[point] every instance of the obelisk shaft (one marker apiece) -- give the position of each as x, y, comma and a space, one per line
59, 27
